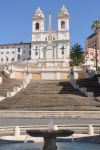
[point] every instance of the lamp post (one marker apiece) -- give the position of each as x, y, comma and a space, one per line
96, 55
86, 61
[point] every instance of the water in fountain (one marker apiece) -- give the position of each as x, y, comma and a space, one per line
61, 146
73, 141
26, 139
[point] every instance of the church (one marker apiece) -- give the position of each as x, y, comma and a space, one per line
47, 56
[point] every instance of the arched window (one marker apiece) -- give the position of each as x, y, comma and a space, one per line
37, 26
36, 50
63, 25
46, 39
53, 39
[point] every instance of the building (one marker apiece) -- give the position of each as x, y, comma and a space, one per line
48, 51
93, 41
59, 39
93, 48
14, 52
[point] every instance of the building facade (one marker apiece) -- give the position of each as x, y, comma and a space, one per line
14, 52
36, 49
47, 53
93, 48
59, 39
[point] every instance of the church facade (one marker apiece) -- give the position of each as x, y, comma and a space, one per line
48, 53
59, 39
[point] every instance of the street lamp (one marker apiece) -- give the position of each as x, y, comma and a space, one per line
96, 55
86, 62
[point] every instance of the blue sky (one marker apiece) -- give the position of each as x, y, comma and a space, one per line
16, 18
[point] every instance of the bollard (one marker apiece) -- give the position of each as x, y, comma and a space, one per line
91, 130
15, 89
89, 94
17, 131
9, 94
76, 75
0, 79
55, 128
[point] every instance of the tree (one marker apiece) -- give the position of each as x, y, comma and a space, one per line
77, 57
95, 25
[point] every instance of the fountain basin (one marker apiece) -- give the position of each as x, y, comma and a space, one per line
54, 133
49, 137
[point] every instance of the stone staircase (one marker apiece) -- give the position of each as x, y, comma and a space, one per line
2, 67
8, 84
49, 96
91, 84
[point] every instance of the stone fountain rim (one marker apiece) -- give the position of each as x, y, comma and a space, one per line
46, 133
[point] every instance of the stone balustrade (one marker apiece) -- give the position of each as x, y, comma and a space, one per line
17, 89
89, 129
0, 80
50, 114
88, 86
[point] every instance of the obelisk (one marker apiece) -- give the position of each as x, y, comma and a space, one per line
50, 28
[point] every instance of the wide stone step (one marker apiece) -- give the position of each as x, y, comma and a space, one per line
50, 88
94, 91
51, 95
97, 94
54, 101
47, 108
47, 90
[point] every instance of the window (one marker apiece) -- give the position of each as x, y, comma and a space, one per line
1, 47
7, 52
12, 52
12, 59
1, 59
53, 38
63, 25
18, 49
1, 52
63, 52
91, 53
62, 49
18, 56
7, 47
46, 39
36, 53
37, 26
6, 58
29, 52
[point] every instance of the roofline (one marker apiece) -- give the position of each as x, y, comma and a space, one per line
9, 44
92, 35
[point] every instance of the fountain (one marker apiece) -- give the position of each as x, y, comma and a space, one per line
50, 135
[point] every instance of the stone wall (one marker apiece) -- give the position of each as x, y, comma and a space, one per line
51, 114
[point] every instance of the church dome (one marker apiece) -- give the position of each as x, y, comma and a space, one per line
38, 13
63, 11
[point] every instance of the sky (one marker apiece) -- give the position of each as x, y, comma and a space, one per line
16, 18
